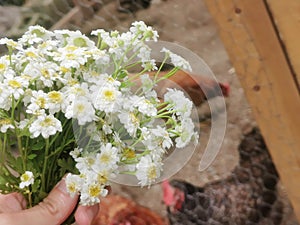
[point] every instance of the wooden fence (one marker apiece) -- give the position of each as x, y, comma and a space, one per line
262, 41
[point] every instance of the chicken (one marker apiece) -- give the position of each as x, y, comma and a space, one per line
198, 87
117, 210
247, 196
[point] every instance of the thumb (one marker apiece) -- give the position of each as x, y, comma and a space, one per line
54, 209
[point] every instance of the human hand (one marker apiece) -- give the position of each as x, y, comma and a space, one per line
55, 209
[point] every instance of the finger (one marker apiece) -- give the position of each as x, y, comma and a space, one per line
84, 215
53, 210
13, 202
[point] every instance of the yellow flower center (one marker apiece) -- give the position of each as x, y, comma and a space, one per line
64, 69
80, 108
109, 95
129, 154
72, 82
105, 158
4, 121
102, 179
90, 161
55, 96
45, 73
79, 91
31, 54
2, 66
47, 122
71, 48
152, 173
94, 190
14, 84
25, 177
134, 119
41, 102
71, 187
95, 74
70, 56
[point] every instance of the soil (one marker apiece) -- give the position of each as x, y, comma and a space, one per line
189, 24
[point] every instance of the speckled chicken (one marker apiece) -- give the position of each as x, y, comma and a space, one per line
247, 197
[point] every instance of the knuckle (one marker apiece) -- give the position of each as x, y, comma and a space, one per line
49, 206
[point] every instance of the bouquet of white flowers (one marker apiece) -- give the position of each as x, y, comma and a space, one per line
69, 105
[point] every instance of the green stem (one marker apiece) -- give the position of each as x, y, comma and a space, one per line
43, 175
29, 198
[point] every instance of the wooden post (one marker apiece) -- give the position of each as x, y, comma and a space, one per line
286, 16
261, 63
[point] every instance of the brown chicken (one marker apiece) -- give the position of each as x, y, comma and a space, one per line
117, 210
198, 87
247, 197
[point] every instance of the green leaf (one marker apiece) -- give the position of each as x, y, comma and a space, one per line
38, 146
66, 165
31, 156
36, 185
25, 132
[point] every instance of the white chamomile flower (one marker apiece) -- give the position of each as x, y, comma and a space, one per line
144, 53
23, 124
162, 137
144, 105
76, 152
32, 54
147, 170
130, 121
107, 158
181, 104
139, 27
107, 99
56, 101
149, 65
157, 140
185, 131
75, 91
177, 60
71, 56
4, 66
91, 193
80, 40
45, 125
48, 73
38, 102
86, 162
5, 97
5, 124
82, 110
35, 34
15, 84
27, 179
73, 184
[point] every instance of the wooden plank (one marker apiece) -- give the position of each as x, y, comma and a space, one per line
255, 51
286, 16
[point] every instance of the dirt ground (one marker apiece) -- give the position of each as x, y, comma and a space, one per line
188, 23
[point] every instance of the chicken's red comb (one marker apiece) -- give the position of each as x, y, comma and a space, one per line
168, 193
